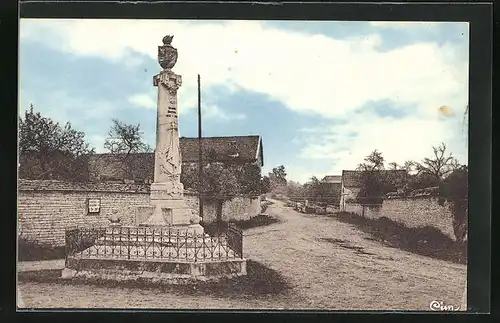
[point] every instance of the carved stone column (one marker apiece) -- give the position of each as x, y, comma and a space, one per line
167, 192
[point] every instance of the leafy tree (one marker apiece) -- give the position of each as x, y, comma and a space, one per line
372, 185
125, 141
265, 185
219, 181
317, 191
278, 176
48, 150
189, 176
422, 180
455, 190
278, 181
249, 177
295, 191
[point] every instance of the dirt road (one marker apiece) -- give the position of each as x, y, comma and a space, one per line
333, 265
329, 264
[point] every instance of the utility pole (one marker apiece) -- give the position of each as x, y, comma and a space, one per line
200, 159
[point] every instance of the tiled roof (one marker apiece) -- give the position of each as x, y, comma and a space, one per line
352, 178
332, 179
236, 148
224, 147
245, 146
53, 185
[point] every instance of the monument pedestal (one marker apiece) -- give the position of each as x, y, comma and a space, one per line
169, 209
167, 244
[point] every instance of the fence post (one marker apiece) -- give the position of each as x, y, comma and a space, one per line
129, 242
241, 243
195, 242
66, 247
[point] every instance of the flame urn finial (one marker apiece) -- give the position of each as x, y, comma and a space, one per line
167, 40
167, 54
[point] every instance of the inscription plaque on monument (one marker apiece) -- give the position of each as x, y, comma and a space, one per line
93, 205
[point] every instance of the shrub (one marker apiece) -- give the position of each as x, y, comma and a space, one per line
454, 189
427, 241
218, 227
30, 250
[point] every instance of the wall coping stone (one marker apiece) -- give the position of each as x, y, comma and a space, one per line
28, 185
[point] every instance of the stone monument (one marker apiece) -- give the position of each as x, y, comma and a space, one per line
167, 244
168, 207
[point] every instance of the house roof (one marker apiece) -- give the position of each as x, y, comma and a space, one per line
244, 148
352, 178
240, 149
332, 179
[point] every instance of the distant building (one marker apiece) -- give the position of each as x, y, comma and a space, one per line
139, 167
352, 182
332, 185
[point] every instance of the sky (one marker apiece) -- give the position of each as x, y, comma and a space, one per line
322, 94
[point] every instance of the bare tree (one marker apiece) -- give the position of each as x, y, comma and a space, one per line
394, 166
440, 165
125, 141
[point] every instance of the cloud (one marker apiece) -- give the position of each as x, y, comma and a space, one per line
97, 142
407, 24
143, 101
308, 73
399, 139
215, 112
335, 78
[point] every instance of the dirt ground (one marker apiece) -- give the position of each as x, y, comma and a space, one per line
329, 264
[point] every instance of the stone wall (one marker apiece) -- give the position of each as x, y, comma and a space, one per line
411, 211
241, 208
47, 208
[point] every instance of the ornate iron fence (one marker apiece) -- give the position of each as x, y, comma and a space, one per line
235, 238
153, 244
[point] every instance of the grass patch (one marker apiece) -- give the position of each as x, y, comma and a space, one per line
217, 227
260, 281
33, 251
425, 241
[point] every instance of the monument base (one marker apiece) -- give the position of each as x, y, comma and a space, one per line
168, 208
165, 213
195, 229
154, 272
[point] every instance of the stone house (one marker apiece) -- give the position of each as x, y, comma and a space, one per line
233, 150
351, 184
139, 168
332, 185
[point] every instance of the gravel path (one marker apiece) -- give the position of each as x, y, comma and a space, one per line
330, 265
353, 273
